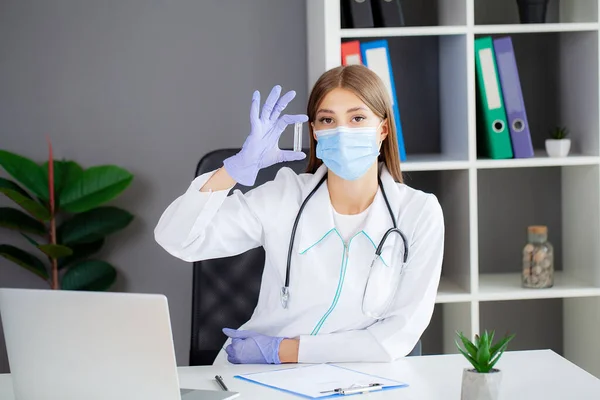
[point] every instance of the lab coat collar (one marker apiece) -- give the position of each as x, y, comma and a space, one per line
317, 217
317, 221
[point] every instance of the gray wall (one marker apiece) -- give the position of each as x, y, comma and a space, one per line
149, 85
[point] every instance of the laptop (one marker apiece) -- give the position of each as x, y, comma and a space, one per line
92, 345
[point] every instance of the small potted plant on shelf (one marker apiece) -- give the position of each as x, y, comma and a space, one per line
558, 144
482, 382
532, 11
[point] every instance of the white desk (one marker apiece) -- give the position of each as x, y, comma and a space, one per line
528, 375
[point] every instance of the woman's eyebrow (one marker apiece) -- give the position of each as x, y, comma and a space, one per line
350, 110
324, 110
353, 109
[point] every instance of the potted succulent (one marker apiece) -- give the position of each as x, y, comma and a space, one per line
532, 11
482, 382
62, 214
558, 144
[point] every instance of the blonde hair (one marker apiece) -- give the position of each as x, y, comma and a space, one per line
367, 85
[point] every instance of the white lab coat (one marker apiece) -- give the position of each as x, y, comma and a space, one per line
326, 287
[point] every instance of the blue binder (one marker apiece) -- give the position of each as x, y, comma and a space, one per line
376, 56
514, 104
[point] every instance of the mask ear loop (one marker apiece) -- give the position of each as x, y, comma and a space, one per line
379, 126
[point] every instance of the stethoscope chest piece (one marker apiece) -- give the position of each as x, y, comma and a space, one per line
285, 296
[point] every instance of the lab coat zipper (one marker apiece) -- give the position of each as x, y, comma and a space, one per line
345, 257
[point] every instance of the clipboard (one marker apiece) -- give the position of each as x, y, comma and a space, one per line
321, 381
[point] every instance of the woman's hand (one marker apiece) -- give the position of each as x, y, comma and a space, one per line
261, 148
249, 347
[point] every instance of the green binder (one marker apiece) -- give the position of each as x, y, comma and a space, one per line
493, 133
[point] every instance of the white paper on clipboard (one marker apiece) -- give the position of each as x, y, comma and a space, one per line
311, 381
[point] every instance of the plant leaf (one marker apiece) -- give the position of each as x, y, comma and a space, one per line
25, 171
12, 218
55, 250
96, 186
93, 225
24, 259
65, 173
501, 343
81, 251
23, 199
469, 346
30, 240
483, 351
92, 275
497, 357
499, 352
51, 250
469, 358
12, 186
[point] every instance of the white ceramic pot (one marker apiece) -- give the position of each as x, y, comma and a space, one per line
558, 147
480, 386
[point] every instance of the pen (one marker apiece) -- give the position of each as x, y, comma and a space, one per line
355, 389
360, 389
221, 383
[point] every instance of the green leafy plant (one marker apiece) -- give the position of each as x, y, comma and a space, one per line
63, 215
559, 132
482, 354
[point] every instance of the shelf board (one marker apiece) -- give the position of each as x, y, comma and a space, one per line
432, 162
539, 160
404, 31
450, 292
461, 30
535, 28
507, 286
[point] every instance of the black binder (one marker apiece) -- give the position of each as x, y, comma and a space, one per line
345, 15
387, 13
359, 13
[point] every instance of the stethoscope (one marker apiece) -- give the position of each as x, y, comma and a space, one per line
285, 290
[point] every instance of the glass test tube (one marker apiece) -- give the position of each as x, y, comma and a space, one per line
298, 136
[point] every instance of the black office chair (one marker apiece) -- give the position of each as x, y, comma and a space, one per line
225, 290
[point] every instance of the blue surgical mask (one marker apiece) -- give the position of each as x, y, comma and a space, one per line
348, 152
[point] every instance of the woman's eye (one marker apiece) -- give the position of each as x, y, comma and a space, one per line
358, 119
326, 120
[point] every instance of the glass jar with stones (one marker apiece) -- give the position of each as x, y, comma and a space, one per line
538, 259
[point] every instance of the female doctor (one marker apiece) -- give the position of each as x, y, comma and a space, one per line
329, 297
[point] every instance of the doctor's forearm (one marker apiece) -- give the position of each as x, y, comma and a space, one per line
349, 346
220, 180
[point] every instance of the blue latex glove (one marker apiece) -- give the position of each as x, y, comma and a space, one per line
249, 347
261, 148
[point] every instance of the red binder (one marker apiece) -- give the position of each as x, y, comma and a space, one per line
351, 53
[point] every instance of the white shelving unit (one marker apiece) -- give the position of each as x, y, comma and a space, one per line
488, 204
